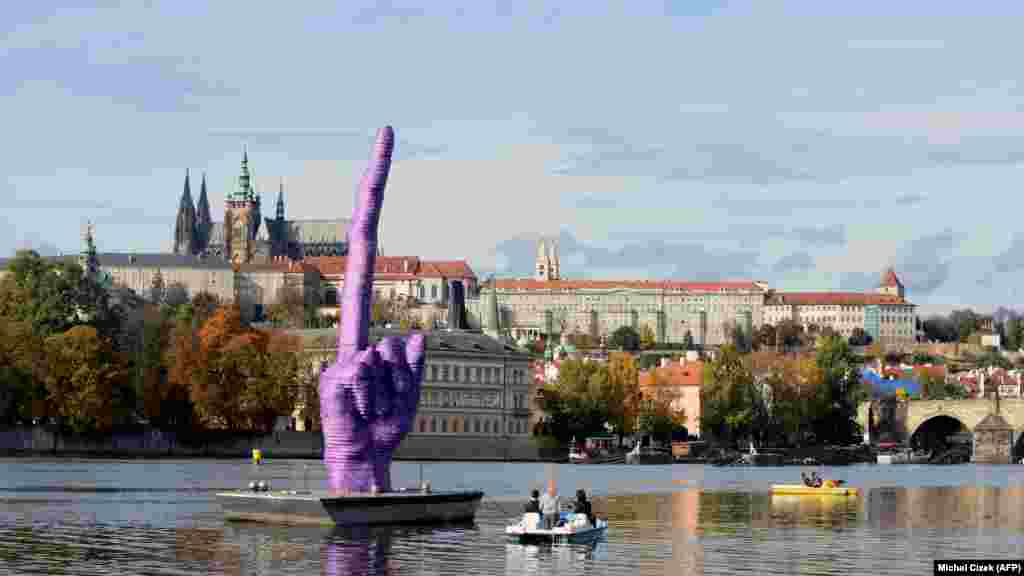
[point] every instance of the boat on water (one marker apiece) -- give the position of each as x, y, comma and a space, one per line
802, 490
573, 529
317, 507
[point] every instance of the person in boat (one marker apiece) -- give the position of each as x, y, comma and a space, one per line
812, 480
549, 506
582, 506
533, 506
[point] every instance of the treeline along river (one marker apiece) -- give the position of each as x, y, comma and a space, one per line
160, 517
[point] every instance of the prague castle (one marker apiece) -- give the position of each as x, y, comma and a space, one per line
245, 236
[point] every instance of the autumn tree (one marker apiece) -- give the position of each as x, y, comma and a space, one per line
624, 393
23, 394
86, 380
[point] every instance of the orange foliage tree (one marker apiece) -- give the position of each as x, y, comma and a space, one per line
237, 377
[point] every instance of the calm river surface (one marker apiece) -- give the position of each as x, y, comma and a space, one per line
160, 517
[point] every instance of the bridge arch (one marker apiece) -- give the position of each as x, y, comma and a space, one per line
933, 434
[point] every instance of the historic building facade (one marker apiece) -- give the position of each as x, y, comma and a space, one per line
245, 236
885, 315
473, 385
550, 304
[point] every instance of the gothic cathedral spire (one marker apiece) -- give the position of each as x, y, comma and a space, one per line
204, 223
185, 225
280, 201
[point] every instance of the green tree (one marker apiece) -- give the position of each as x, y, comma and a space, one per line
1013, 333
625, 338
647, 337
858, 337
840, 392
43, 293
175, 295
727, 397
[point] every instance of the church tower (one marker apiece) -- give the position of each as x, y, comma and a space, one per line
891, 284
555, 272
542, 265
185, 225
241, 218
204, 223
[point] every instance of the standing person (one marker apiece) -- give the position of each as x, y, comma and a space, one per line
549, 506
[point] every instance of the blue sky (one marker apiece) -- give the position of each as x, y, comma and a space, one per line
809, 144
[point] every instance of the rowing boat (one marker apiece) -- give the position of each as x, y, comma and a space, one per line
801, 490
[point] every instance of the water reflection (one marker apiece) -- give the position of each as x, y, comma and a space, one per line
553, 558
882, 531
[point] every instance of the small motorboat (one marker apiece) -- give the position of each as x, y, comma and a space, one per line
802, 490
572, 528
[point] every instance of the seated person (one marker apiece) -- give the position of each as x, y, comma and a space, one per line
582, 506
815, 480
533, 506
807, 479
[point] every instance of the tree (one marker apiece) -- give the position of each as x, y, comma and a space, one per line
647, 337
157, 290
859, 337
23, 394
727, 397
204, 305
841, 390
43, 293
624, 395
740, 339
789, 333
765, 335
625, 338
1013, 329
993, 358
86, 380
289, 309
175, 295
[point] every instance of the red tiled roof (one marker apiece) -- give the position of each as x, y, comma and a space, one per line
397, 267
446, 269
278, 265
835, 298
530, 284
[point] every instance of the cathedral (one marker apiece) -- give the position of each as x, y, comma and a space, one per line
245, 236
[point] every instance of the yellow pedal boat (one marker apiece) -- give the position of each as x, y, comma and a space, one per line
801, 490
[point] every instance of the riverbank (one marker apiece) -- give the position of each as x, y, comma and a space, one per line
158, 444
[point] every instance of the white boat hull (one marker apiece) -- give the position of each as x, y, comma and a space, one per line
564, 534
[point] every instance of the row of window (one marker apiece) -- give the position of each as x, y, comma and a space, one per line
468, 399
456, 425
473, 374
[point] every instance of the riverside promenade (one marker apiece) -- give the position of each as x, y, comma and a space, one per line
39, 441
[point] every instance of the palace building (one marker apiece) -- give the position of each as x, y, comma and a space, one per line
885, 315
548, 304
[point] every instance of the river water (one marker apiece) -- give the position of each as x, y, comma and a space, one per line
160, 517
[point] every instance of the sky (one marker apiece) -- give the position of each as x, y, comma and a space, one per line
806, 144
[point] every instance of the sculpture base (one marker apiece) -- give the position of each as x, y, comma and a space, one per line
323, 508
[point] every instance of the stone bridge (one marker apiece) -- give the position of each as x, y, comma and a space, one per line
996, 423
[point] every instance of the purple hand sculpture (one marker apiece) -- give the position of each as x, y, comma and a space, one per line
368, 397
